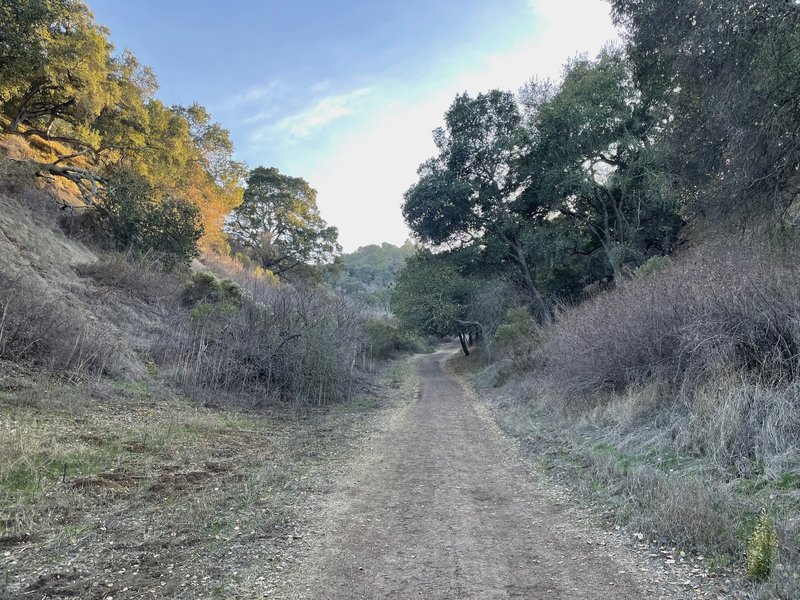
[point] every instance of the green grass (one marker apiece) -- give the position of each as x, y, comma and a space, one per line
360, 403
19, 479
46, 469
789, 481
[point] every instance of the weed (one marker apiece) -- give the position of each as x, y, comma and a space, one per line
789, 481
762, 549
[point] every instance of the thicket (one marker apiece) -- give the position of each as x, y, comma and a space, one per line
717, 338
385, 340
266, 343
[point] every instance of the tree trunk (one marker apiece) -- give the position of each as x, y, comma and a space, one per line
517, 254
540, 311
463, 341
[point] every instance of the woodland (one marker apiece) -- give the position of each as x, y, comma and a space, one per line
616, 251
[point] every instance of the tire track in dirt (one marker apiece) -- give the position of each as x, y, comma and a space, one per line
440, 508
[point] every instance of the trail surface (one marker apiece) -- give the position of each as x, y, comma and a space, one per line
441, 507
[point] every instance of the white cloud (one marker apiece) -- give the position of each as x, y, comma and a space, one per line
263, 115
361, 185
260, 93
328, 109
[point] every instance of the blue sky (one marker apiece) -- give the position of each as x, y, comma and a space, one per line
345, 94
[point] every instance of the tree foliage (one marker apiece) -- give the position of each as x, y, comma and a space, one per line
431, 295
54, 68
278, 224
135, 217
370, 272
560, 187
61, 81
469, 193
593, 162
727, 75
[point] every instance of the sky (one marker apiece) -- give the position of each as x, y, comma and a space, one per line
346, 93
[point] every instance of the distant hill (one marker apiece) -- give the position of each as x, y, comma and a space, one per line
369, 272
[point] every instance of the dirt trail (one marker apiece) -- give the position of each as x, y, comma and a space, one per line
442, 508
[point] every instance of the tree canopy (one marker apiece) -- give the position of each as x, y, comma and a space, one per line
278, 224
61, 81
469, 193
727, 75
431, 295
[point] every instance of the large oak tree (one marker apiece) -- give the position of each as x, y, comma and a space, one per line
278, 223
469, 193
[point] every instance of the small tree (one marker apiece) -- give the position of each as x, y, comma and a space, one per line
431, 296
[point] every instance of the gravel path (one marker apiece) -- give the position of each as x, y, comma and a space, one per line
440, 506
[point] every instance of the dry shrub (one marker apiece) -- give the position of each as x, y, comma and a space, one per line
726, 313
140, 276
712, 343
38, 326
279, 343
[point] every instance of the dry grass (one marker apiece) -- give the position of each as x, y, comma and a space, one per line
142, 277
674, 403
42, 328
127, 487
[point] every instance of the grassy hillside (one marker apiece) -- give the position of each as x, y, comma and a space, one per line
672, 405
164, 430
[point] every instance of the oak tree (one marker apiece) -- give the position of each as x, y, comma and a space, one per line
469, 193
278, 223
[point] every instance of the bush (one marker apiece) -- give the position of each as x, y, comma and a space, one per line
654, 264
205, 287
141, 276
516, 328
385, 341
286, 344
130, 215
172, 227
